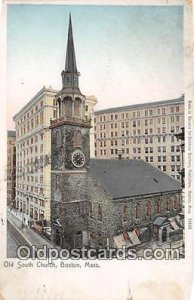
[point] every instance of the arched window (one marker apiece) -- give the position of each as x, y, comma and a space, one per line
99, 212
58, 137
176, 202
77, 107
125, 213
78, 139
57, 182
68, 106
158, 206
149, 209
168, 203
137, 211
100, 239
58, 105
90, 210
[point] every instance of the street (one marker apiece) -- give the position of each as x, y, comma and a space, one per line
11, 247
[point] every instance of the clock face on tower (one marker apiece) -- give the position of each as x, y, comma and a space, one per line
78, 158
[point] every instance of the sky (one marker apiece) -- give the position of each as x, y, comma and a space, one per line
125, 54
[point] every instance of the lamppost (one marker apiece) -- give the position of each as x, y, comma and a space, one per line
181, 136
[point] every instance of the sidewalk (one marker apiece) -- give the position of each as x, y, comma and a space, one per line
27, 232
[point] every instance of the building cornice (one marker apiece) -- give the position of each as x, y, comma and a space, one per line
141, 105
43, 91
143, 196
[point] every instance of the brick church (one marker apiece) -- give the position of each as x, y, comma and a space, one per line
98, 202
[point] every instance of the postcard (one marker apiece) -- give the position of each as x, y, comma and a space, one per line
96, 147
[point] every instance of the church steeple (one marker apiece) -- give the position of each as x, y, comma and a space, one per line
70, 64
69, 100
70, 74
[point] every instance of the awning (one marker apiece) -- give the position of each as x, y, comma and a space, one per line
159, 221
174, 225
119, 241
134, 238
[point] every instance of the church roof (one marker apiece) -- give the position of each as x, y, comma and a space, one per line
70, 64
130, 177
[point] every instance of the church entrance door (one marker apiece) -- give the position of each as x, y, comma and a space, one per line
164, 235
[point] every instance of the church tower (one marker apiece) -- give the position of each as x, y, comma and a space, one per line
70, 156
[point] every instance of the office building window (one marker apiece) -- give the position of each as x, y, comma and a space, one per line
177, 118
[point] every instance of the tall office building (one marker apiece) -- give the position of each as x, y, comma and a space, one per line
33, 155
11, 171
142, 131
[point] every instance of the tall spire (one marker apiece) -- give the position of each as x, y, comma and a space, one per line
70, 64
